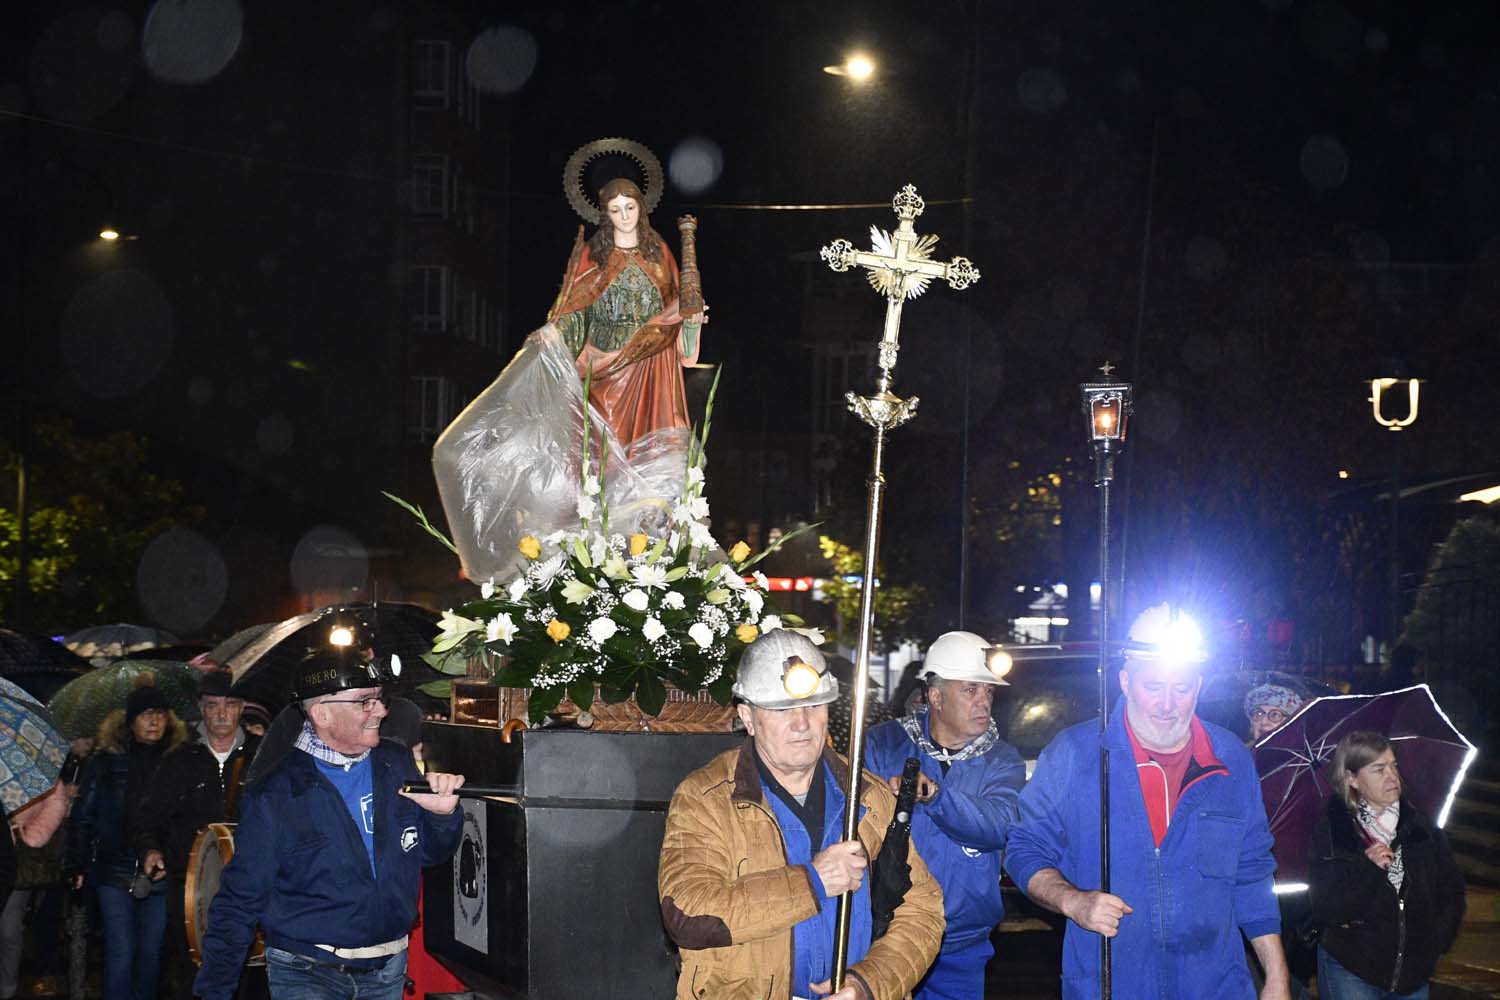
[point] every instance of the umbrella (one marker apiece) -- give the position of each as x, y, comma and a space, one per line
403, 723
183, 652
113, 641
37, 664
890, 872
84, 702
1293, 762
1223, 697
222, 653
263, 667
32, 751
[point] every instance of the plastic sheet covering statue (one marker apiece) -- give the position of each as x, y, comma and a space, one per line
509, 465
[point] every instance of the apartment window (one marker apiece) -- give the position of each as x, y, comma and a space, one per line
432, 401
427, 304
468, 97
432, 73
429, 185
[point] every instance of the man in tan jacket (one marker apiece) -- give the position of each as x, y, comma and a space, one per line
752, 863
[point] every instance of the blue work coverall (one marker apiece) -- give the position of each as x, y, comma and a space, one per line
1192, 897
960, 835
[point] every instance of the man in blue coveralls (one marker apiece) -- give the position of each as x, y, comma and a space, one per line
1190, 852
329, 849
966, 797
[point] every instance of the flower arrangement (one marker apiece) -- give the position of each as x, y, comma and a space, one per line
627, 613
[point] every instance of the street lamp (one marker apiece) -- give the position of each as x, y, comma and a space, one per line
1379, 387
1108, 406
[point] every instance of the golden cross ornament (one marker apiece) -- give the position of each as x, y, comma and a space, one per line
900, 267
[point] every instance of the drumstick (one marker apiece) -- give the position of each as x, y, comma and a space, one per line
467, 791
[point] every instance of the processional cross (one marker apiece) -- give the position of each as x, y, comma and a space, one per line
901, 267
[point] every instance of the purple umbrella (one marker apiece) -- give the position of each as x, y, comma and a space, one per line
1293, 764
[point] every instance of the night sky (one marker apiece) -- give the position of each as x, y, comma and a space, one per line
1247, 206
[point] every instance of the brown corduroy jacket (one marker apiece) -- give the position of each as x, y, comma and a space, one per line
729, 898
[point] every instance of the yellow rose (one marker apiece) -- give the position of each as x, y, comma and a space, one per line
558, 629
638, 544
746, 633
740, 552
530, 546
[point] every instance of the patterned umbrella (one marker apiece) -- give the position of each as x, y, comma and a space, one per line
113, 641
31, 750
83, 703
1293, 763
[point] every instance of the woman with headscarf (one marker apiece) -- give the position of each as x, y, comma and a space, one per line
130, 745
1386, 892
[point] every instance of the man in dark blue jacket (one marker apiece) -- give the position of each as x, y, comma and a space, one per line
1190, 852
966, 796
329, 850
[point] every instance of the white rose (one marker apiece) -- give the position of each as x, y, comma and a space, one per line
601, 629
653, 630
702, 635
636, 600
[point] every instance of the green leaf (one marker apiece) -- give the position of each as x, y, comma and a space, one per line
582, 693
543, 702
421, 519
776, 545
657, 550
514, 674
437, 689
650, 693
676, 573
612, 694
582, 552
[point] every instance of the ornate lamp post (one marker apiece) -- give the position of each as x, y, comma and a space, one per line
1379, 387
1108, 406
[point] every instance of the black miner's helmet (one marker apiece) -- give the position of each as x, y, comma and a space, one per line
347, 660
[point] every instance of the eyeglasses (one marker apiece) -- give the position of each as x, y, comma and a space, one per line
1269, 714
365, 704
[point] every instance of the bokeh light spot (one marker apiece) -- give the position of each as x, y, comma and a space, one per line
181, 580
1324, 162
695, 164
502, 59
117, 332
329, 559
191, 41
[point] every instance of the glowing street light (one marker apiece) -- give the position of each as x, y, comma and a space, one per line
858, 67
1378, 388
109, 234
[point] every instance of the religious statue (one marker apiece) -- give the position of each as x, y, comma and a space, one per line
626, 322
619, 313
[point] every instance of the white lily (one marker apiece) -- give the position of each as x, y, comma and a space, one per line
451, 630
716, 596
615, 568
576, 591
500, 629
815, 634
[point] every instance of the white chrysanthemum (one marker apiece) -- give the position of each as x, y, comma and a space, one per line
543, 573
674, 600
650, 576
601, 629
500, 629
653, 630
636, 599
702, 635
770, 623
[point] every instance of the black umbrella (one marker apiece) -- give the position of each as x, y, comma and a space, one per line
222, 653
37, 664
890, 874
263, 667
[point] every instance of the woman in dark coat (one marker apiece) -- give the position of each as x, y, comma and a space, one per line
1385, 890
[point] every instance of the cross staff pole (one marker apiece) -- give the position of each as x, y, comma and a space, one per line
900, 266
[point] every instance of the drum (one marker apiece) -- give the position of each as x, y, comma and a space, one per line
211, 852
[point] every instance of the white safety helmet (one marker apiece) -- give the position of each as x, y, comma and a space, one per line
783, 669
964, 656
1164, 634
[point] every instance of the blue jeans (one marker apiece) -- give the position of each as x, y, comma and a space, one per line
295, 977
1337, 983
132, 942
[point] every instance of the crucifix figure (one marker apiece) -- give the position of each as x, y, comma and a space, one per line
900, 267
